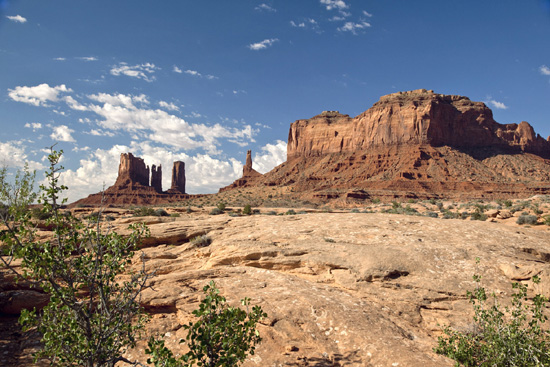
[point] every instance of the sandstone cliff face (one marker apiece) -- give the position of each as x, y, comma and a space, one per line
132, 170
156, 178
412, 118
178, 177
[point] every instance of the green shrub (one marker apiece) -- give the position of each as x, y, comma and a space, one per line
527, 219
247, 210
144, 211
38, 213
478, 215
502, 336
216, 211
431, 214
175, 215
161, 213
92, 318
375, 201
221, 206
290, 212
201, 241
221, 336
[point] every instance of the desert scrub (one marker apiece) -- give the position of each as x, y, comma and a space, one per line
502, 336
247, 210
431, 214
144, 212
201, 241
527, 219
216, 211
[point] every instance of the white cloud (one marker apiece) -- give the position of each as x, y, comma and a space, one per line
17, 18
169, 106
298, 25
204, 174
197, 74
121, 113
140, 71
263, 44
177, 70
34, 126
74, 104
88, 58
353, 27
62, 133
272, 155
497, 105
265, 7
14, 155
60, 59
335, 4
544, 70
367, 14
98, 169
100, 132
38, 95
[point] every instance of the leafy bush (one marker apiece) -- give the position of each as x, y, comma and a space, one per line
290, 212
247, 210
527, 219
221, 206
92, 318
502, 336
222, 335
431, 214
37, 213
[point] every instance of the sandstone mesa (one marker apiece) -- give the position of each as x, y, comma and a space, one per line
416, 144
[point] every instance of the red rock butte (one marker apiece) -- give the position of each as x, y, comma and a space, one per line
136, 184
415, 144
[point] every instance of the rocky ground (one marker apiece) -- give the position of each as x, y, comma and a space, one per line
354, 287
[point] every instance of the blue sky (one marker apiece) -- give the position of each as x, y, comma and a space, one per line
204, 81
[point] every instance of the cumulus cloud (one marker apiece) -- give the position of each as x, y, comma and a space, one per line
270, 157
335, 4
204, 173
265, 7
120, 112
544, 70
169, 106
38, 95
140, 71
98, 169
177, 70
34, 126
17, 18
74, 104
263, 44
18, 156
62, 133
354, 27
497, 105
